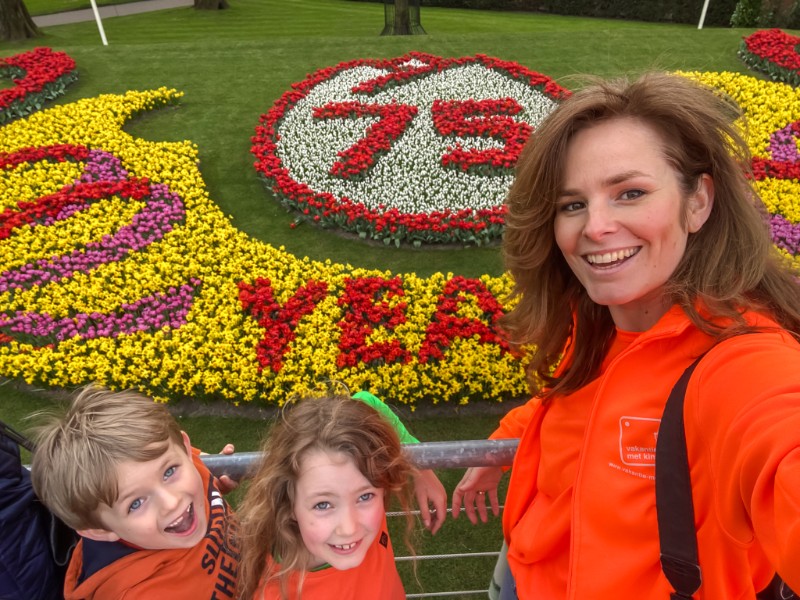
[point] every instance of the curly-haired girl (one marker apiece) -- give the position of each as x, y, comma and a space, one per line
313, 519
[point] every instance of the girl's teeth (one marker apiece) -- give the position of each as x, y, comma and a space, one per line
345, 546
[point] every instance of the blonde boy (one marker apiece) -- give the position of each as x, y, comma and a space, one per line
118, 469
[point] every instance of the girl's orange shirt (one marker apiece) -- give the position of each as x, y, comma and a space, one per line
376, 577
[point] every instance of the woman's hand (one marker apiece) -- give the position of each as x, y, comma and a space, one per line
430, 491
472, 490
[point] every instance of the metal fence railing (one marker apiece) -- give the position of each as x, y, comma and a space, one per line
426, 455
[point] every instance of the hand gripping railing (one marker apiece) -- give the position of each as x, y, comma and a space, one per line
427, 455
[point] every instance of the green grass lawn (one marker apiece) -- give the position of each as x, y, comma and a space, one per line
233, 64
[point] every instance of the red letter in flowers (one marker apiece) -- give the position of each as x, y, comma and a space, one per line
400, 71
481, 118
279, 322
367, 300
360, 157
446, 325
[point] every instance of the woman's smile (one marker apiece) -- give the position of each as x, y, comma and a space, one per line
611, 258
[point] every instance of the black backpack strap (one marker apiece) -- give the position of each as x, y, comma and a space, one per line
776, 590
16, 436
674, 505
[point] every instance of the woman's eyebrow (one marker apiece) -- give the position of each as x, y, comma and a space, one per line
624, 176
612, 180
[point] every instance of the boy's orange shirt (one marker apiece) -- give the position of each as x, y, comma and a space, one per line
115, 570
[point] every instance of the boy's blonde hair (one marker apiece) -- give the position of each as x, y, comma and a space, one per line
74, 466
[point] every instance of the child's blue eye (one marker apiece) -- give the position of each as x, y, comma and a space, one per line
324, 505
135, 505
366, 497
170, 472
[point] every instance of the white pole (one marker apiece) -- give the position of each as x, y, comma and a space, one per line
702, 14
100, 23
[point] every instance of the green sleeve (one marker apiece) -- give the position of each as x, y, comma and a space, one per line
388, 414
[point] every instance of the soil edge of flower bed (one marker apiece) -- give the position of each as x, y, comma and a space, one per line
187, 407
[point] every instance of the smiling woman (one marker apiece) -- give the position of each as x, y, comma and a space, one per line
637, 245
624, 217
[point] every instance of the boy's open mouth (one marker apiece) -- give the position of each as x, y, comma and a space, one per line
183, 523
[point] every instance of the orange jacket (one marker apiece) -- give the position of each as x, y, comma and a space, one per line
376, 578
116, 571
580, 514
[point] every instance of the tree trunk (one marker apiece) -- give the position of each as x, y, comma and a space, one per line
210, 4
402, 18
16, 22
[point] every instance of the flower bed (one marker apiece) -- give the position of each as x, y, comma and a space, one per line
39, 75
772, 111
773, 52
116, 267
416, 149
